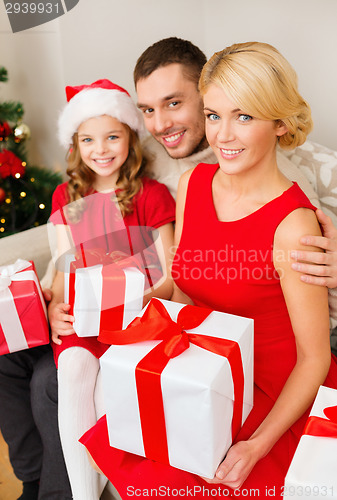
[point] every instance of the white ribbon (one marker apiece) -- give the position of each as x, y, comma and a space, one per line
7, 272
68, 259
9, 318
88, 300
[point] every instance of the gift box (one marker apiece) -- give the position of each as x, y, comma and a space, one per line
104, 291
181, 388
313, 471
23, 315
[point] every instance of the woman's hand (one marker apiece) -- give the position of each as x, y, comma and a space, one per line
237, 465
60, 321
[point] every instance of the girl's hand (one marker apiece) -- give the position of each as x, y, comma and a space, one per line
237, 465
60, 321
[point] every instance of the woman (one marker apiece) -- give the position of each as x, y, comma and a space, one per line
251, 213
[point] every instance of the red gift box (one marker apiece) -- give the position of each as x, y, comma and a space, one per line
23, 314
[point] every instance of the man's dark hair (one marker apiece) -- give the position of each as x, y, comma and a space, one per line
169, 51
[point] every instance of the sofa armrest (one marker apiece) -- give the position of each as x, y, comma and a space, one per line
31, 244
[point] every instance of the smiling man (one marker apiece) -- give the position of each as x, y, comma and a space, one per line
173, 110
166, 78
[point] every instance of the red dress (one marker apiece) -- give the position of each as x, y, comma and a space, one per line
230, 269
101, 226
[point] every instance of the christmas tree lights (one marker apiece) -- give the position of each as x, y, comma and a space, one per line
25, 190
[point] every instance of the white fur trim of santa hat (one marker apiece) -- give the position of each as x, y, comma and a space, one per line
91, 102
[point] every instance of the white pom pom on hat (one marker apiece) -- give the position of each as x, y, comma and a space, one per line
99, 98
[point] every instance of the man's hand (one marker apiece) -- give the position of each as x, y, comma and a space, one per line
315, 267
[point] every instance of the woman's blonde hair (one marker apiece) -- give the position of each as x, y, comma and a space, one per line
263, 84
82, 177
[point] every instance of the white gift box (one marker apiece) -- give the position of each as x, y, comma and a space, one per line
313, 471
88, 297
197, 391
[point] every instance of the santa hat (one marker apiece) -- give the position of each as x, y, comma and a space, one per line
100, 98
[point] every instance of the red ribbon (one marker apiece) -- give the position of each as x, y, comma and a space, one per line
113, 292
156, 324
323, 427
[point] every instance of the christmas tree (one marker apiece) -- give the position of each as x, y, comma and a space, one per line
25, 190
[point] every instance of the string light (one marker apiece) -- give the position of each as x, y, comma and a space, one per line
17, 176
23, 194
2, 229
32, 179
3, 221
42, 206
8, 200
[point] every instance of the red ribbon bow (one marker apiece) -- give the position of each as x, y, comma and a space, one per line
156, 324
95, 256
323, 427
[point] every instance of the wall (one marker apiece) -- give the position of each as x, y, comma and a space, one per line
103, 38
303, 30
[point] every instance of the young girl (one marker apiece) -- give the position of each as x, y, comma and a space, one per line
251, 105
101, 126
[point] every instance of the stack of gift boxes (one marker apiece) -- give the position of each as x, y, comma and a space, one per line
183, 375
177, 380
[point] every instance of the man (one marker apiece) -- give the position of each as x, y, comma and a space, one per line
166, 79
29, 424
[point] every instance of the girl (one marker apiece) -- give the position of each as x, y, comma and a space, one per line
244, 203
102, 126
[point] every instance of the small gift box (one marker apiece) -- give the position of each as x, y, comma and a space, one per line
313, 471
104, 291
180, 390
23, 315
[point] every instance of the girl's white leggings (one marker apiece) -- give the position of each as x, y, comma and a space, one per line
80, 404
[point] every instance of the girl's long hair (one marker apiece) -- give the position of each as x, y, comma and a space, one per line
82, 178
